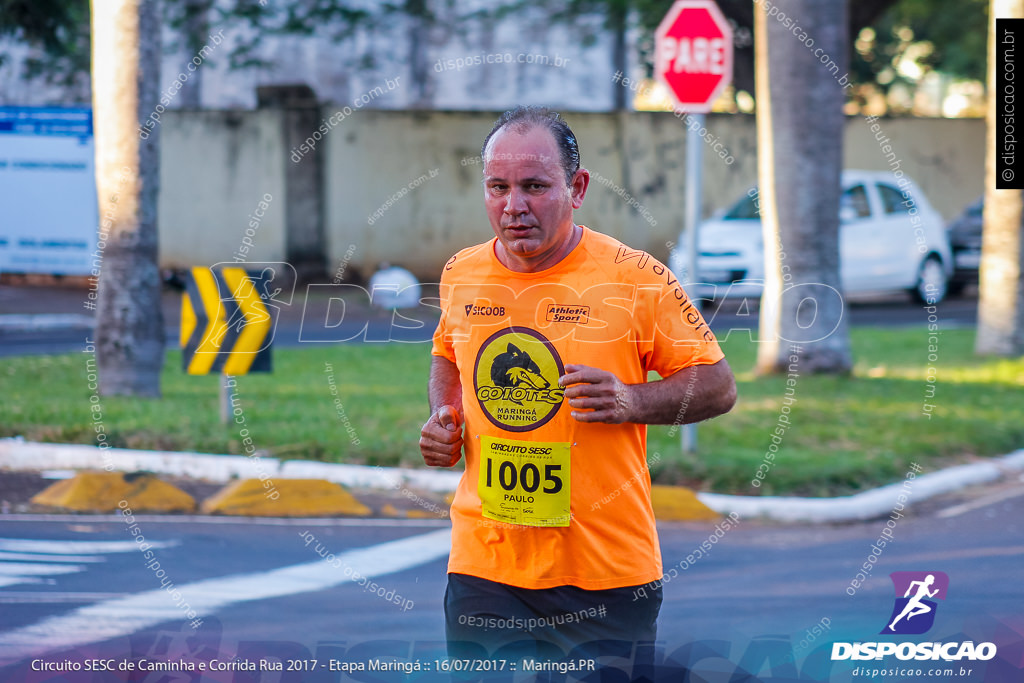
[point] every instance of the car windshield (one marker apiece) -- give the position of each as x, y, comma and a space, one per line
747, 208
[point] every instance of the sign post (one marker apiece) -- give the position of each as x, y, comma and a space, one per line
693, 59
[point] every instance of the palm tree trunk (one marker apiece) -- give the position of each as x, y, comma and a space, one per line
195, 30
1001, 293
618, 16
125, 85
799, 148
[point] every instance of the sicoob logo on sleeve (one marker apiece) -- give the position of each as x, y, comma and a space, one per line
516, 382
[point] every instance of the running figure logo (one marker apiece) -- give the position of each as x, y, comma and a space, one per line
914, 612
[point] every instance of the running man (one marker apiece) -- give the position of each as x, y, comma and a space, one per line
540, 377
914, 606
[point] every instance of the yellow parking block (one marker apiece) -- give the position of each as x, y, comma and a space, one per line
109, 491
417, 513
679, 504
390, 510
285, 498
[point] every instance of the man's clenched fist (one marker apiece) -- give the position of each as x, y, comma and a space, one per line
441, 438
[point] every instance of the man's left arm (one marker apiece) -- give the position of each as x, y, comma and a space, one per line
693, 394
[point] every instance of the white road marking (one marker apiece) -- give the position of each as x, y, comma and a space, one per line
39, 557
127, 615
222, 521
15, 580
52, 598
979, 503
76, 547
23, 558
36, 569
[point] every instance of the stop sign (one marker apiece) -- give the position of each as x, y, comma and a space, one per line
693, 54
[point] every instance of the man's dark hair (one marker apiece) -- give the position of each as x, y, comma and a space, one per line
523, 118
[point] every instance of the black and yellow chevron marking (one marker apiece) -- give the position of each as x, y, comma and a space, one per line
225, 325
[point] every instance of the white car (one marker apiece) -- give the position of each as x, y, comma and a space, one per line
887, 243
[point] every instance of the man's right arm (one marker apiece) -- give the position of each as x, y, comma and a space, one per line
441, 436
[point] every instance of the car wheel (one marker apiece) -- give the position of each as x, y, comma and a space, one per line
932, 282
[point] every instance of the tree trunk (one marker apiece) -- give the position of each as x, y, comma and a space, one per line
618, 22
420, 73
196, 28
125, 85
799, 150
1001, 293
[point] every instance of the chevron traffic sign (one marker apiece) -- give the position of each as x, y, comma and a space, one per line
226, 326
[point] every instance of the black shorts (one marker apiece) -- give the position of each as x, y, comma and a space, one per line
484, 619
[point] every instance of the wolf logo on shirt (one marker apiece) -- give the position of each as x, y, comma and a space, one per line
515, 368
516, 375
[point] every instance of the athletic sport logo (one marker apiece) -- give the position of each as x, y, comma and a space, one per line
563, 313
914, 612
516, 379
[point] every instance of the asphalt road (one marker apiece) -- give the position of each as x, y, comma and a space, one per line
763, 600
318, 321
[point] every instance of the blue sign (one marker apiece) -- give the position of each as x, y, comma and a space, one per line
48, 191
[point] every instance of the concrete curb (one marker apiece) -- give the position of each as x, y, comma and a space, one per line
23, 455
871, 504
16, 454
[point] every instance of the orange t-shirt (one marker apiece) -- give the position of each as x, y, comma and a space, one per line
528, 510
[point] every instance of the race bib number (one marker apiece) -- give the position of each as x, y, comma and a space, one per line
524, 482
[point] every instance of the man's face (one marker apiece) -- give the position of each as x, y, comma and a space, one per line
528, 203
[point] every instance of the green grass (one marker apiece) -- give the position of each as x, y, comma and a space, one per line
846, 434
290, 413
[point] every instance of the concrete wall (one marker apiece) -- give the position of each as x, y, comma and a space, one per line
462, 59
636, 194
215, 168
640, 159
378, 154
946, 157
641, 154
470, 63
404, 187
